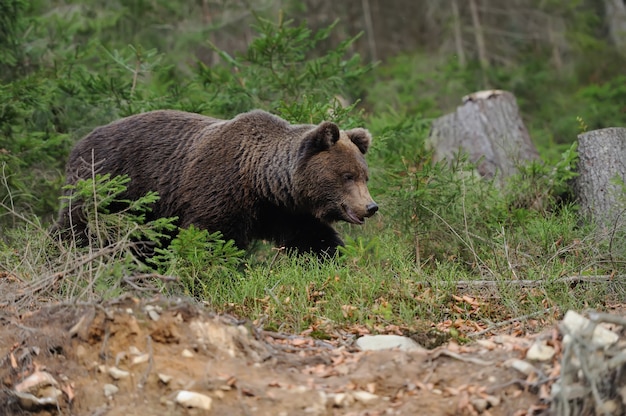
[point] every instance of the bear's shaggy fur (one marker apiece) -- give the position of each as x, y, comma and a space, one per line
253, 177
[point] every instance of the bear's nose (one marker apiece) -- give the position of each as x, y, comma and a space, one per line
371, 209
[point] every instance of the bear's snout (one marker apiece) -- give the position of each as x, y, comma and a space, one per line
371, 208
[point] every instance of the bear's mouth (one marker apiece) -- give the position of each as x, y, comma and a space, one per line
351, 216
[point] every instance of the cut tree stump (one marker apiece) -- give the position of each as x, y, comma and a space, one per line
602, 161
489, 129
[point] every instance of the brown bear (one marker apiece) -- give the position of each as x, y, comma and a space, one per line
252, 177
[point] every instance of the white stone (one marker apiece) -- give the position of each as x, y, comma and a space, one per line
342, 400
116, 373
521, 366
479, 404
154, 315
110, 390
579, 325
165, 379
386, 342
140, 359
493, 400
193, 399
539, 351
364, 397
187, 354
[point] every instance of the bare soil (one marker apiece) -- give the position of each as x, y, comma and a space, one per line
163, 347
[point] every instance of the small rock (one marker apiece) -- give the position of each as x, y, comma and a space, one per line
539, 351
81, 354
116, 373
300, 389
364, 397
521, 366
487, 343
110, 390
479, 404
132, 350
323, 398
129, 311
385, 342
140, 359
579, 325
493, 400
165, 379
609, 407
187, 354
342, 399
154, 315
193, 399
120, 356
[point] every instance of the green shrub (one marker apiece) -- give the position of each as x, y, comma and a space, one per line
281, 73
201, 260
109, 218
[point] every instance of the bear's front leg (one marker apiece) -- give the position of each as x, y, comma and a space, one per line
316, 237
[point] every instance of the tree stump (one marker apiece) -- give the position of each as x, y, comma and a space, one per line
602, 160
489, 128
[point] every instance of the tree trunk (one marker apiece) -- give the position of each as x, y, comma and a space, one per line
489, 128
369, 26
480, 41
602, 159
458, 36
616, 18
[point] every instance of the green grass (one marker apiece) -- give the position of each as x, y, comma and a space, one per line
375, 283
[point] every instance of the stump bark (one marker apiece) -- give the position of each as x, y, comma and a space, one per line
601, 168
489, 128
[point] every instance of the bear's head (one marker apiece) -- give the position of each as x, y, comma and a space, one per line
331, 177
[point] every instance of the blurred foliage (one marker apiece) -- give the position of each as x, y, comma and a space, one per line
281, 74
550, 100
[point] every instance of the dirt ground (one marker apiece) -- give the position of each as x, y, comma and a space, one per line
133, 357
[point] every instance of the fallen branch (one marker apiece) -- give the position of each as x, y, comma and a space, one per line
51, 278
509, 321
607, 318
444, 351
492, 284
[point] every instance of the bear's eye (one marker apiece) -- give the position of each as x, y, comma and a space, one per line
347, 177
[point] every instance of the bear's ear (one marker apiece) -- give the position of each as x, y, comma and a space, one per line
361, 137
324, 136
